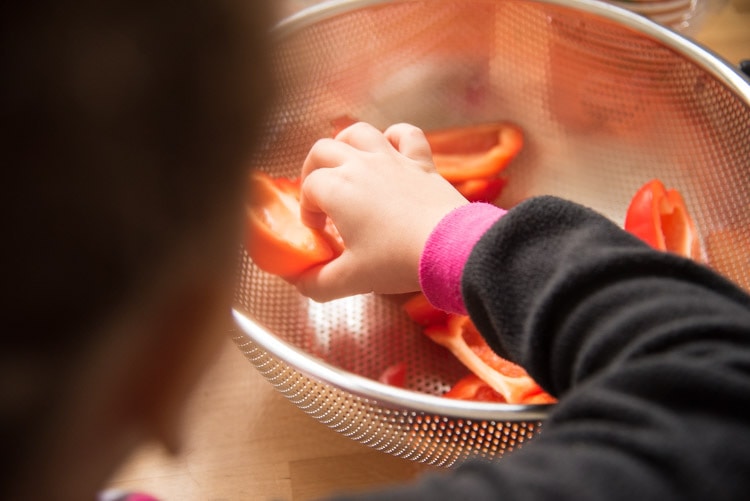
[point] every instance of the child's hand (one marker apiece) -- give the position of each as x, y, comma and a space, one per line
382, 192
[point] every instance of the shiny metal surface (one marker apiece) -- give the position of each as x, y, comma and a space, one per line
607, 99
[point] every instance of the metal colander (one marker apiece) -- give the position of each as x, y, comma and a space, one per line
607, 100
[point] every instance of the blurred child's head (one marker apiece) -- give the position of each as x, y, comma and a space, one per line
127, 127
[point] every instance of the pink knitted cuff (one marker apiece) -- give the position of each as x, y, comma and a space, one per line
447, 249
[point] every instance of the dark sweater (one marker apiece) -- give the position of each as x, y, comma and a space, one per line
649, 354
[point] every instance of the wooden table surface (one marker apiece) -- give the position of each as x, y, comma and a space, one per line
244, 441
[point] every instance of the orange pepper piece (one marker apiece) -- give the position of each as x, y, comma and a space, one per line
659, 217
277, 241
394, 375
466, 153
460, 336
471, 387
423, 312
481, 189
477, 151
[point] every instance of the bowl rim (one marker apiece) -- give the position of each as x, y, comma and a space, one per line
375, 392
704, 57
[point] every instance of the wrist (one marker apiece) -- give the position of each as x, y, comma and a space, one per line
447, 249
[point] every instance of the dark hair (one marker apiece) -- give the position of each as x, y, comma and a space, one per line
126, 127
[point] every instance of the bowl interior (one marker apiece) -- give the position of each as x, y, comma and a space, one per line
607, 102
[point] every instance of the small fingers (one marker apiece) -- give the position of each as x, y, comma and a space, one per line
332, 280
312, 214
363, 136
324, 153
409, 141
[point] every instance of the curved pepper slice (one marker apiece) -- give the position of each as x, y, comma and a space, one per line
461, 337
394, 375
277, 241
477, 151
419, 309
471, 387
467, 153
481, 189
659, 217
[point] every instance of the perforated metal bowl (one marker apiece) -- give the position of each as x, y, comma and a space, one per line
607, 99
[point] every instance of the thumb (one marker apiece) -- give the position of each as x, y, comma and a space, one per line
332, 280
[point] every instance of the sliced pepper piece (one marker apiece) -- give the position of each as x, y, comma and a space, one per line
465, 153
460, 336
342, 122
481, 189
276, 240
394, 375
541, 398
476, 151
471, 387
423, 312
659, 217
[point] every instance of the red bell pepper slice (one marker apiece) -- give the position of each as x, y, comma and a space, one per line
461, 337
423, 312
541, 398
394, 375
466, 153
477, 151
659, 217
481, 189
471, 387
276, 240
342, 122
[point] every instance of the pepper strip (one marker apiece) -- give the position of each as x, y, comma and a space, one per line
659, 217
473, 152
456, 336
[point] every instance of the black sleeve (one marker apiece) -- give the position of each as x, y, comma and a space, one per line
648, 352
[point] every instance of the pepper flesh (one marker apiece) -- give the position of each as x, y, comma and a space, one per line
481, 189
473, 152
419, 309
471, 387
659, 217
394, 375
462, 339
277, 241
